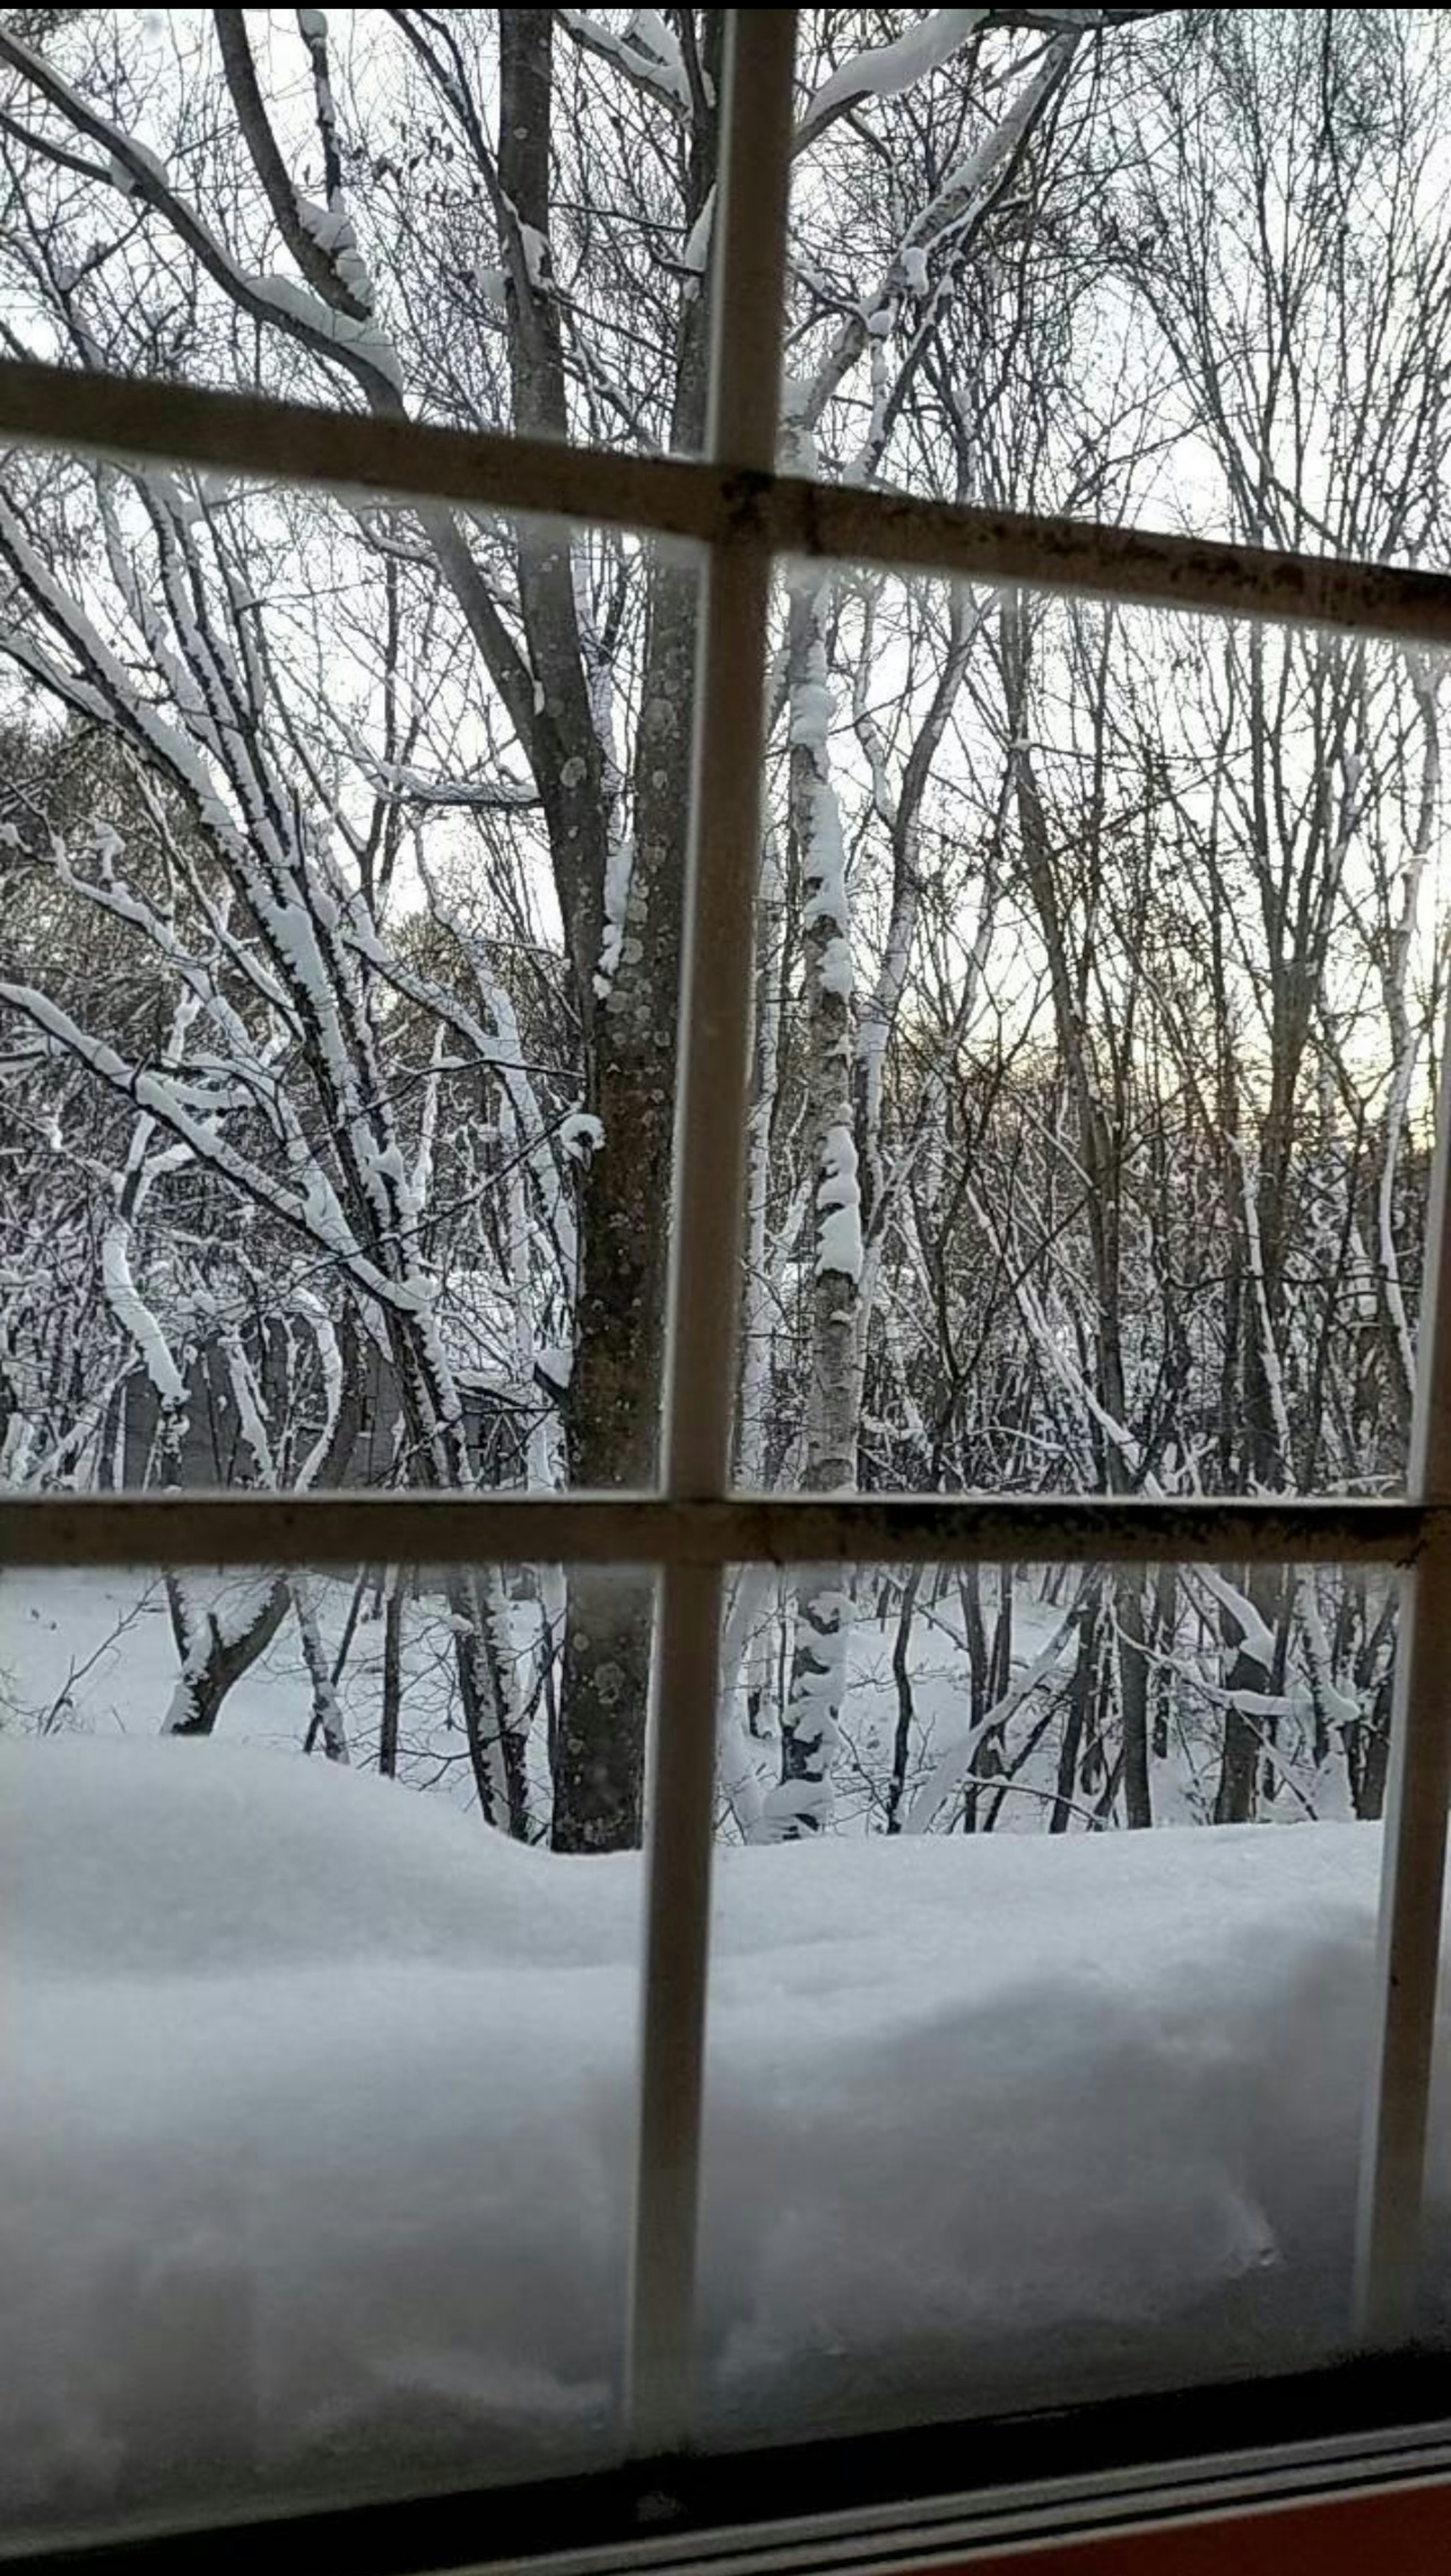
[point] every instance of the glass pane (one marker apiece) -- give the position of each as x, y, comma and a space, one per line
1100, 960
498, 219
315, 2170
341, 878
1007, 2106
1186, 269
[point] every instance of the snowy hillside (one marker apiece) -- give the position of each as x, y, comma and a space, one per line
316, 2163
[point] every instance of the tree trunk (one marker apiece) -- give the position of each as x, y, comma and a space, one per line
1134, 1699
392, 1675
1080, 1692
810, 1731
215, 1657
613, 1411
902, 1679
1235, 1798
614, 1397
327, 1714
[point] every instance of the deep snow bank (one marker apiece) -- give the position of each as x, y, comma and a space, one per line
315, 2160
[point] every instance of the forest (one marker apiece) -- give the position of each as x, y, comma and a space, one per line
1100, 952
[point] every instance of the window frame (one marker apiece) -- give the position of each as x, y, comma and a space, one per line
746, 517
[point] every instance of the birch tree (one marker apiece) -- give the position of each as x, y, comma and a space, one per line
1097, 958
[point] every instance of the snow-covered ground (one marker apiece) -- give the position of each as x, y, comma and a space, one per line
315, 2166
94, 1653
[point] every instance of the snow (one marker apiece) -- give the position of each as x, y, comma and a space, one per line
132, 1312
647, 50
363, 340
316, 2167
697, 241
149, 163
536, 251
811, 713
330, 227
885, 69
619, 871
838, 1205
300, 2136
955, 1760
834, 969
648, 33
580, 1135
825, 861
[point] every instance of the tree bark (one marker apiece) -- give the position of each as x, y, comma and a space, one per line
613, 1410
392, 1675
801, 1803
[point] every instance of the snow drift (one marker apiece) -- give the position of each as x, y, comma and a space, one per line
315, 2169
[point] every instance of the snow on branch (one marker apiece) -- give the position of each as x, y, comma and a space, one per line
137, 173
477, 795
330, 1361
313, 1211
647, 53
838, 1206
881, 71
952, 214
956, 1760
136, 1318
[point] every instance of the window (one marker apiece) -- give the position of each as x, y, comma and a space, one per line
747, 521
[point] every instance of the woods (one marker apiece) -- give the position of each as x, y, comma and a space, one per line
1100, 952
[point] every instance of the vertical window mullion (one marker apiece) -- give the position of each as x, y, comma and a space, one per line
1393, 2158
710, 1134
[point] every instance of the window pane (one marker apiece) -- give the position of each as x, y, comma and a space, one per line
499, 220
341, 879
1182, 270
1005, 2106
1055, 1699
316, 2165
1099, 970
